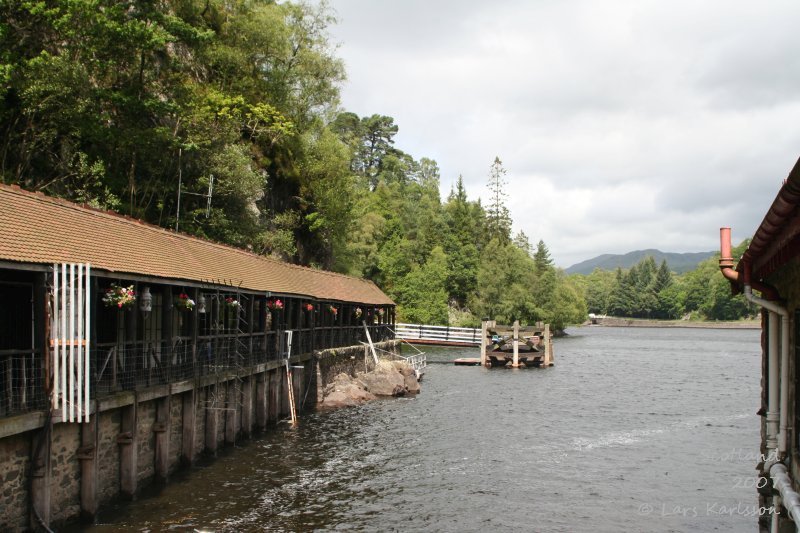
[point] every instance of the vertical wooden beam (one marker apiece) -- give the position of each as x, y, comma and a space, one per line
189, 423
247, 406
548, 346
212, 421
40, 473
483, 342
273, 407
283, 401
87, 455
261, 400
320, 387
298, 377
231, 412
515, 363
128, 450
195, 332
251, 326
161, 428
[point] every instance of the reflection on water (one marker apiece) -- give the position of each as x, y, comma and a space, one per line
632, 430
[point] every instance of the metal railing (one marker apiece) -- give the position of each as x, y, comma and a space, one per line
443, 334
21, 387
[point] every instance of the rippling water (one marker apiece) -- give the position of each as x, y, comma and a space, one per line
632, 430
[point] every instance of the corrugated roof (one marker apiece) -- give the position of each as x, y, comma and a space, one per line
35, 228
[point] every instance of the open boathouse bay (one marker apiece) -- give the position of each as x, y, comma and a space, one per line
631, 430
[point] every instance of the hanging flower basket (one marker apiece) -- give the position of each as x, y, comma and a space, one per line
380, 312
308, 307
119, 297
334, 311
183, 302
358, 312
232, 303
274, 305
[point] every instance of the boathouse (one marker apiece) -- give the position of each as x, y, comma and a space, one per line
126, 350
768, 274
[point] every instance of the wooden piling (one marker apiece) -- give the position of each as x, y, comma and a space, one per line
261, 400
161, 428
273, 395
484, 324
247, 407
515, 363
212, 422
231, 412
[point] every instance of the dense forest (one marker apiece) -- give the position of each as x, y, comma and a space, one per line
121, 104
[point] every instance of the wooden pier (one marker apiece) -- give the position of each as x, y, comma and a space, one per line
516, 346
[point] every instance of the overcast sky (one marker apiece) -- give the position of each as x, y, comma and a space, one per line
623, 125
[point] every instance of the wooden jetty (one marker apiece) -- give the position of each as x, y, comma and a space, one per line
515, 346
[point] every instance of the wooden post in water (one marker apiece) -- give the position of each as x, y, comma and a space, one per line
548, 346
515, 362
483, 342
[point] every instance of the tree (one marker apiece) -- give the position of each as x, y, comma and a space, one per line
423, 295
498, 220
541, 258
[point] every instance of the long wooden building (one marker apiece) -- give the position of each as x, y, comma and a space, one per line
136, 348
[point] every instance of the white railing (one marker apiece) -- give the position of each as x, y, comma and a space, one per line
438, 333
418, 362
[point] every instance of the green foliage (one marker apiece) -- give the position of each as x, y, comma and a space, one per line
647, 291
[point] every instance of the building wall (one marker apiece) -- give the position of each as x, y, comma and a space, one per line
787, 281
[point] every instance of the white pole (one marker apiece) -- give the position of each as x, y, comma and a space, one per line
54, 336
62, 339
79, 335
71, 374
371, 346
87, 328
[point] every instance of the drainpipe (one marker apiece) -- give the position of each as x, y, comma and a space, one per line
773, 383
777, 388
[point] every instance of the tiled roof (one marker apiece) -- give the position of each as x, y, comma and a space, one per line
777, 239
35, 228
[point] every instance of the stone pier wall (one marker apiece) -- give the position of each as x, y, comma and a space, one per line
350, 360
134, 439
92, 464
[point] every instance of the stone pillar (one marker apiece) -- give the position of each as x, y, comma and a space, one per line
128, 451
189, 401
87, 455
40, 472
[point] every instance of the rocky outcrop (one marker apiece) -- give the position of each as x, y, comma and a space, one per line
390, 378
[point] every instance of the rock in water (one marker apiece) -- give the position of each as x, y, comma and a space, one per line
346, 391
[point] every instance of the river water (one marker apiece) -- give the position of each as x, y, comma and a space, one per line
632, 430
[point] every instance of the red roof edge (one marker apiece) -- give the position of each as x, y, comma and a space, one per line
776, 241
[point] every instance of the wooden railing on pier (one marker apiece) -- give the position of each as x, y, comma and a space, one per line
439, 335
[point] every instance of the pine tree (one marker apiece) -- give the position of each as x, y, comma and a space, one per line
498, 219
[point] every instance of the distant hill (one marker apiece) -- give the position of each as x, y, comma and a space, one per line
678, 263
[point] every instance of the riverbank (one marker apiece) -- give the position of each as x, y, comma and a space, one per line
616, 322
